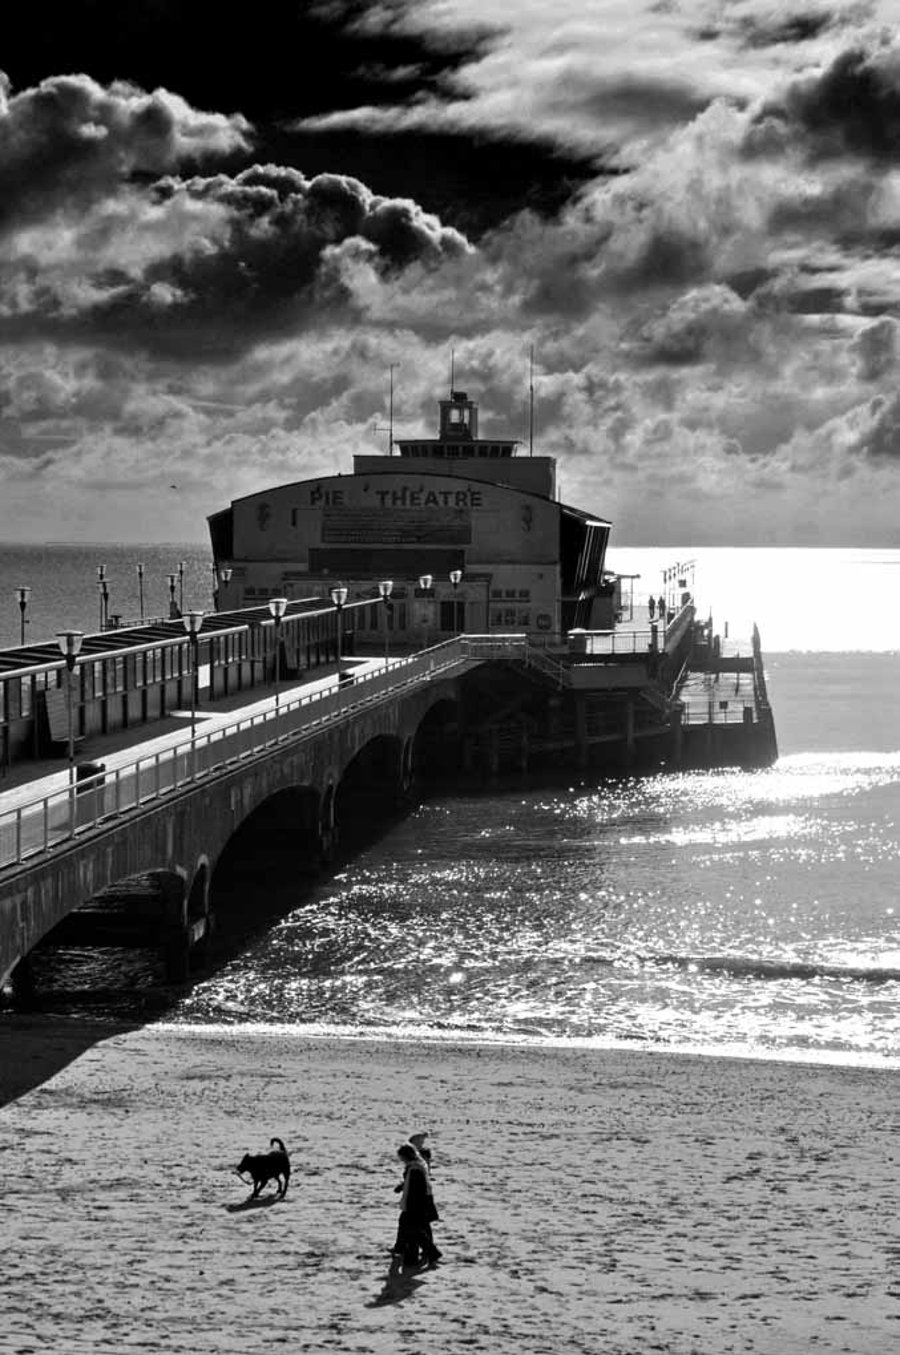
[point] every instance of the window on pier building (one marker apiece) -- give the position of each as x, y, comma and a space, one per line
97, 679
26, 691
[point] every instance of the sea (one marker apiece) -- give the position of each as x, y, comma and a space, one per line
748, 914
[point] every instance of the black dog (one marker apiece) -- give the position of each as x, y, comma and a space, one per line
263, 1167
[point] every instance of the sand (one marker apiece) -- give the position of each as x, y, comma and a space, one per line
604, 1202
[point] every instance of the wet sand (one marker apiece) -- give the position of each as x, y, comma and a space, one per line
591, 1202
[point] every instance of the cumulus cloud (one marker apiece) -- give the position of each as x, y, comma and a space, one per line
216, 261
69, 141
876, 348
705, 322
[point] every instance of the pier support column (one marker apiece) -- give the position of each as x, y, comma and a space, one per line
581, 735
199, 919
629, 733
21, 981
676, 737
524, 747
175, 928
328, 832
494, 751
407, 776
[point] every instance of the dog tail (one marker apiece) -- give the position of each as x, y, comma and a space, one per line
272, 1142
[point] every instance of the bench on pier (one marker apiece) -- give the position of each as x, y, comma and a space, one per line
53, 716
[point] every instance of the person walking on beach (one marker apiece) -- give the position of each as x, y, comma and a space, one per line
417, 1210
418, 1142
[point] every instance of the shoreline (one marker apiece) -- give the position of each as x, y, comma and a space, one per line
46, 1042
590, 1199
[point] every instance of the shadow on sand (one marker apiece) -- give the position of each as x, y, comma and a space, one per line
44, 1031
35, 1046
252, 1202
400, 1283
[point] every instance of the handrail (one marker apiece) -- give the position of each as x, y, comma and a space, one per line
49, 821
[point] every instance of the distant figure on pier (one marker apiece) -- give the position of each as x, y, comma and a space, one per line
661, 605
652, 607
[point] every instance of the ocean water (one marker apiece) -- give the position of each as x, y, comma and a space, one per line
63, 582
728, 912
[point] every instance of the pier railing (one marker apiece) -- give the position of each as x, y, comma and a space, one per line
49, 821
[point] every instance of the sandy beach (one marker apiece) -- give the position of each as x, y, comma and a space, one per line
607, 1202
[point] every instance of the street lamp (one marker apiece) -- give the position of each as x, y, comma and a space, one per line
339, 597
173, 610
140, 574
192, 623
23, 594
101, 577
456, 580
223, 576
425, 583
385, 588
278, 607
103, 589
69, 645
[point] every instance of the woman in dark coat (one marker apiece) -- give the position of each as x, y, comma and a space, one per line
417, 1210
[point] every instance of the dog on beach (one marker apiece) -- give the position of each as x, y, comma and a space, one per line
263, 1167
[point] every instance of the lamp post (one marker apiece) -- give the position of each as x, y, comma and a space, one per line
70, 645
103, 589
223, 577
456, 580
339, 597
101, 579
192, 623
385, 588
23, 594
140, 577
278, 607
425, 583
173, 610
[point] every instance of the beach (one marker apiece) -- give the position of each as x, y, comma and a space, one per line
591, 1200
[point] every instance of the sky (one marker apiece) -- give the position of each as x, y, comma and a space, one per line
222, 230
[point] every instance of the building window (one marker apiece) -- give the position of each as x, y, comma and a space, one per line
295, 516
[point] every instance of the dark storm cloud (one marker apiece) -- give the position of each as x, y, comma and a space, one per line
774, 29
852, 108
69, 140
280, 256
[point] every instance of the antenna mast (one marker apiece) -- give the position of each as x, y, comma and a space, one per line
391, 410
531, 404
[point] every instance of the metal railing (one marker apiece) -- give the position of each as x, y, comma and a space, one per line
51, 820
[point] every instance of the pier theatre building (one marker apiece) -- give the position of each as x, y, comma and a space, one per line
468, 531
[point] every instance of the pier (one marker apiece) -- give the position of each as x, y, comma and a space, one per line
159, 818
